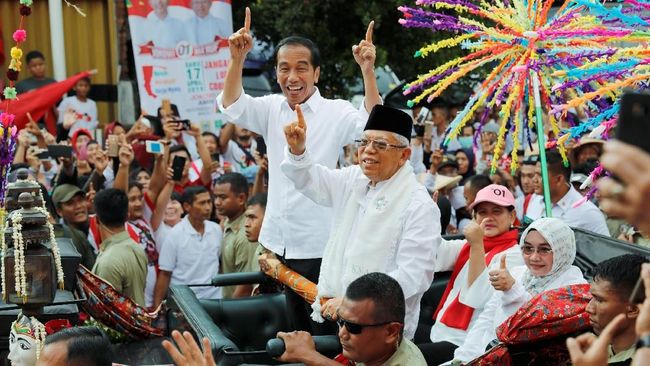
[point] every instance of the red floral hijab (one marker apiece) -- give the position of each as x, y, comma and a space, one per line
538, 330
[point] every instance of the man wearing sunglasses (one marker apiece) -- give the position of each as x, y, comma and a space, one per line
384, 220
371, 320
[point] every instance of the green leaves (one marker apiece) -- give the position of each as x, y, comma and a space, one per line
337, 25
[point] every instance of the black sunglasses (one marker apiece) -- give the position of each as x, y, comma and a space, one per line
355, 328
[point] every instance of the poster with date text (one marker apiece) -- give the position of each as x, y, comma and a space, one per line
181, 54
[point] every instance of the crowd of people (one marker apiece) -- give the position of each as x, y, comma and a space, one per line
366, 232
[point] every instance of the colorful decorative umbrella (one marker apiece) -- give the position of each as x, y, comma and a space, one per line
542, 63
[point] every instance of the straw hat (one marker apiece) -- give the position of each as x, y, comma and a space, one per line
585, 141
443, 181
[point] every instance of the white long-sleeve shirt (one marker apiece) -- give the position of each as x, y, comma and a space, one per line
502, 305
413, 262
295, 226
586, 216
475, 296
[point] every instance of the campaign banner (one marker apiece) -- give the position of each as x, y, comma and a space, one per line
181, 54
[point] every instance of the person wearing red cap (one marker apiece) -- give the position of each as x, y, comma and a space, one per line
489, 236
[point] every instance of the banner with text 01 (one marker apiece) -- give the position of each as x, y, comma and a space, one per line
181, 54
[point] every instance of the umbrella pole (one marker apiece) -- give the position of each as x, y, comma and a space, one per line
542, 144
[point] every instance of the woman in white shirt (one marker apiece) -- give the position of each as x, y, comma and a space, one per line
490, 236
548, 248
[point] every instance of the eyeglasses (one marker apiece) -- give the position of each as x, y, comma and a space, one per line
542, 251
379, 145
355, 328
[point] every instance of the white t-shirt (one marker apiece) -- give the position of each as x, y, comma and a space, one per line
193, 258
236, 157
85, 113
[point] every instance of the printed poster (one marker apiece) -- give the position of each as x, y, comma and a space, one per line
181, 54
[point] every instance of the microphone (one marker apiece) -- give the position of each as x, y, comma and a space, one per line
327, 345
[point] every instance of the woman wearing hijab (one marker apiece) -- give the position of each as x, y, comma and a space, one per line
548, 248
489, 237
465, 159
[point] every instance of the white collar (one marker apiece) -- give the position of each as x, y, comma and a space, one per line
568, 200
191, 230
312, 103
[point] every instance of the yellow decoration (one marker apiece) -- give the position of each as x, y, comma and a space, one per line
15, 64
16, 53
446, 43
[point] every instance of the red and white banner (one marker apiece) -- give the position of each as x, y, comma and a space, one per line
181, 54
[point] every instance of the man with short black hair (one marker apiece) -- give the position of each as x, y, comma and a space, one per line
237, 253
297, 231
612, 286
473, 186
371, 323
121, 261
190, 254
77, 346
527, 181
255, 216
563, 196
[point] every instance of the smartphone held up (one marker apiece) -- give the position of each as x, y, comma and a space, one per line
178, 165
633, 125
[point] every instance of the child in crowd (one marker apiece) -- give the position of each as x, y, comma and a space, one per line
37, 68
35, 61
78, 111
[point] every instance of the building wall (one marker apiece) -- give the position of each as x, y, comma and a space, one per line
90, 41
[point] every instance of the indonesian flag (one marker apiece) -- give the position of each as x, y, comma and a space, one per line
39, 101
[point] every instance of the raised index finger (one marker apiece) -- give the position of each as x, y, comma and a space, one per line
371, 26
301, 118
247, 19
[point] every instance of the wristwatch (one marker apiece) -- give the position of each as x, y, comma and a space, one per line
643, 342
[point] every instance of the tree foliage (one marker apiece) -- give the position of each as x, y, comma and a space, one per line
335, 26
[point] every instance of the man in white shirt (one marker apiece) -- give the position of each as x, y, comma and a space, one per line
586, 216
294, 227
237, 146
384, 220
204, 28
190, 255
162, 29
